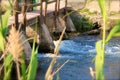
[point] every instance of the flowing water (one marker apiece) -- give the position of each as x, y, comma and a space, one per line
80, 51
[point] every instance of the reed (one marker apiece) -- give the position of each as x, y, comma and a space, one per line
12, 52
100, 45
32, 68
15, 47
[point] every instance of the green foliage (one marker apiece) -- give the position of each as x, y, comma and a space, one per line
5, 21
99, 61
87, 12
23, 67
2, 42
32, 69
3, 29
33, 64
11, 4
8, 58
8, 66
100, 45
114, 32
82, 24
103, 10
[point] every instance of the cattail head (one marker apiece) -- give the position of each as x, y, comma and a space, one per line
14, 44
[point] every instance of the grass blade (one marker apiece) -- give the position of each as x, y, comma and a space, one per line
23, 68
114, 32
100, 45
5, 19
33, 65
32, 69
8, 66
103, 9
2, 42
99, 61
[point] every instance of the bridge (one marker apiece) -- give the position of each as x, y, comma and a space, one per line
48, 18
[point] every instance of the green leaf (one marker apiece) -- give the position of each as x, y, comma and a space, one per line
33, 61
5, 20
8, 73
33, 65
99, 61
2, 42
23, 67
8, 66
8, 59
103, 9
114, 32
11, 4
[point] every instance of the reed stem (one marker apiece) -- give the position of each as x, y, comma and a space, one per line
18, 70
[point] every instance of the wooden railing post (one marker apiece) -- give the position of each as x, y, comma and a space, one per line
66, 5
41, 12
58, 7
24, 15
45, 11
65, 9
16, 24
55, 13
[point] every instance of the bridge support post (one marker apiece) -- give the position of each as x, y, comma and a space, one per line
46, 42
69, 24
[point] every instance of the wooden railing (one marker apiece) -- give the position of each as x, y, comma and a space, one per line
24, 7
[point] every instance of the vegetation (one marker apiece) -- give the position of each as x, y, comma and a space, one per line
81, 23
12, 53
100, 45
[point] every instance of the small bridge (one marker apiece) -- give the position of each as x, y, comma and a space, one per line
48, 20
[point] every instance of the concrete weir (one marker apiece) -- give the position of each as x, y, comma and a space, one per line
46, 30
46, 42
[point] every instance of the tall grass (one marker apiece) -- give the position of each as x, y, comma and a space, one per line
50, 74
12, 52
100, 45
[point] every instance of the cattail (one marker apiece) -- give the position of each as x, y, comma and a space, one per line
14, 44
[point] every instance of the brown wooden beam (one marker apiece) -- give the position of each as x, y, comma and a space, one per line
16, 24
24, 16
45, 12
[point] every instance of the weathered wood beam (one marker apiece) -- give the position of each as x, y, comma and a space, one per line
24, 16
16, 23
45, 11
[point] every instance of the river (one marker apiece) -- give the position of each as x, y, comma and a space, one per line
80, 51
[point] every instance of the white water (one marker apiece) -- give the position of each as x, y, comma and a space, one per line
81, 51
